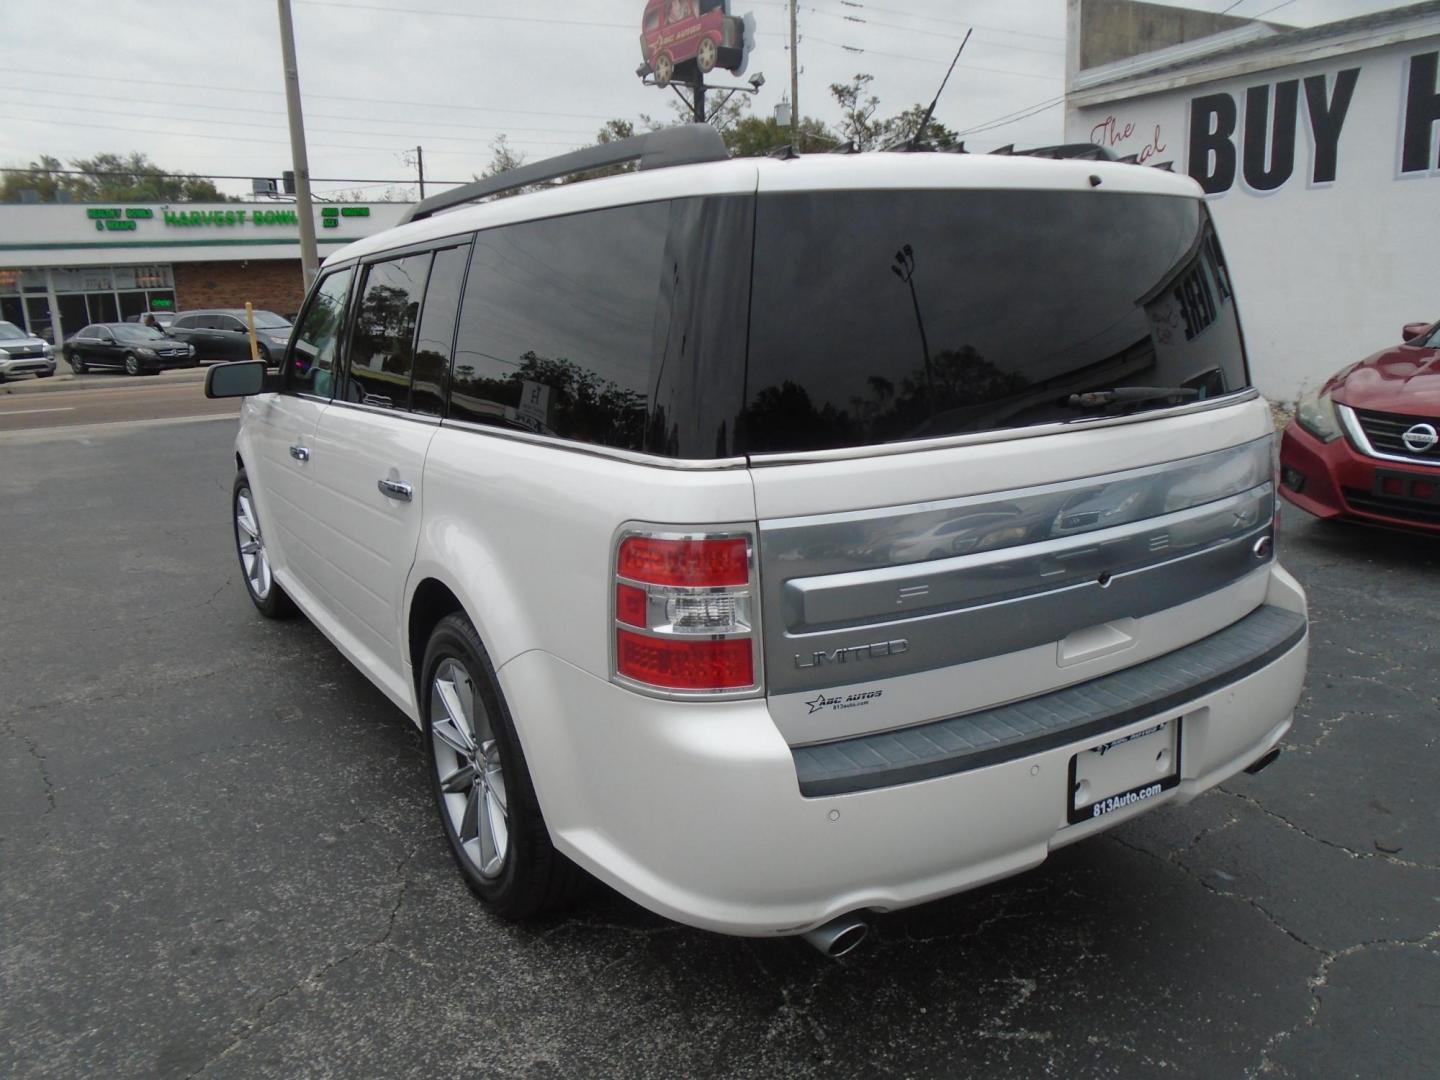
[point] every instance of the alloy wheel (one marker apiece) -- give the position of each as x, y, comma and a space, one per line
468, 768
253, 557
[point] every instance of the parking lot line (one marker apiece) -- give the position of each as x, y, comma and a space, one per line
23, 412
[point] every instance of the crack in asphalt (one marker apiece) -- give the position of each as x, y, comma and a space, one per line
89, 697
1318, 983
1382, 856
803, 1012
33, 749
1173, 860
1328, 957
254, 1025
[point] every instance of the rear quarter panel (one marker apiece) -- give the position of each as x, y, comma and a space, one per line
522, 534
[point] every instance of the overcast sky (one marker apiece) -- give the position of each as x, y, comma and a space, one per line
197, 84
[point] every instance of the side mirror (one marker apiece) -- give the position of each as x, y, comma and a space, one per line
235, 380
1414, 330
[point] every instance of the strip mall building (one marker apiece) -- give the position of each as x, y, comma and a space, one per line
65, 266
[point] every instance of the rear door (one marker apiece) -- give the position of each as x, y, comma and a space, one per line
231, 338
370, 448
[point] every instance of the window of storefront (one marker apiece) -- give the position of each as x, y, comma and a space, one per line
83, 295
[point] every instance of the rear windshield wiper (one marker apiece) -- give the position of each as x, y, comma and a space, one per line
1121, 394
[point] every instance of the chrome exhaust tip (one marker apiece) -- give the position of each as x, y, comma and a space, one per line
838, 937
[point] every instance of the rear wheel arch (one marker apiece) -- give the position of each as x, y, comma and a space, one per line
431, 602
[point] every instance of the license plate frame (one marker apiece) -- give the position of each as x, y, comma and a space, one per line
1122, 781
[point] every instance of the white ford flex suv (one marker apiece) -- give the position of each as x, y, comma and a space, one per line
784, 540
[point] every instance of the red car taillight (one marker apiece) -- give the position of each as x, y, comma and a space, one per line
684, 612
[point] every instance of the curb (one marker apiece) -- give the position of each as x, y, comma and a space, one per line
69, 381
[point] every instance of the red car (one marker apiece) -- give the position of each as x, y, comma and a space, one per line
678, 33
1367, 447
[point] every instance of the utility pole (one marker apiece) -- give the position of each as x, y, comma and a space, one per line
420, 166
697, 98
309, 254
794, 74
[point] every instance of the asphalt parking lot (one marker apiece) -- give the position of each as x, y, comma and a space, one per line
218, 857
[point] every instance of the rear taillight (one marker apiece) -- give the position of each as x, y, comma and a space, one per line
685, 612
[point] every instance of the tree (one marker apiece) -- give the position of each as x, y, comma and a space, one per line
858, 107
756, 137
108, 178
937, 136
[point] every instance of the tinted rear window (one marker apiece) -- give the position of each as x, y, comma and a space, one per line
879, 317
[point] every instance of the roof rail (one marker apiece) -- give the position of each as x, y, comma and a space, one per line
688, 145
1079, 151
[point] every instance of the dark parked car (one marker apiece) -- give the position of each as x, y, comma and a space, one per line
139, 350
1367, 447
164, 318
220, 334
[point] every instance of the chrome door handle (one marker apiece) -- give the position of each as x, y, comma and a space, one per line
394, 489
299, 453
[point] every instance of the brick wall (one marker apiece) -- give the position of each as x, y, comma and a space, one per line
270, 284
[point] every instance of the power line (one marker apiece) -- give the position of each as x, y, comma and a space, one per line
359, 181
270, 142
924, 60
250, 91
258, 112
861, 20
1012, 118
462, 14
913, 15
409, 134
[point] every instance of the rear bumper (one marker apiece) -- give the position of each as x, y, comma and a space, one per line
696, 811
1335, 481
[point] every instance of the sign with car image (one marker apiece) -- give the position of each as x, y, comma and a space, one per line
689, 39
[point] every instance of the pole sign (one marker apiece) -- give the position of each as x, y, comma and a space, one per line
688, 39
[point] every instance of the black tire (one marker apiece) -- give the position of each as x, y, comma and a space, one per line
76, 364
45, 374
132, 365
274, 604
534, 878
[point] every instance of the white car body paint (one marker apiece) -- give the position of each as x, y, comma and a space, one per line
693, 808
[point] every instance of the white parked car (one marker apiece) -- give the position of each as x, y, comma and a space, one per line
784, 540
24, 354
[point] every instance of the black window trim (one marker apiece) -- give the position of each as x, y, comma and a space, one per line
342, 384
469, 243
325, 273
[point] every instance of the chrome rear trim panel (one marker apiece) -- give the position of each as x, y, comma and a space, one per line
908, 589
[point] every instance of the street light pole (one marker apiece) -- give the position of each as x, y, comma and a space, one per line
309, 253
904, 269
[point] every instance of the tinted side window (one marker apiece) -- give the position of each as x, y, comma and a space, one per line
382, 353
229, 323
186, 322
311, 369
437, 330
558, 328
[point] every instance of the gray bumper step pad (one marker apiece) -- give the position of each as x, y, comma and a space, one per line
972, 741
